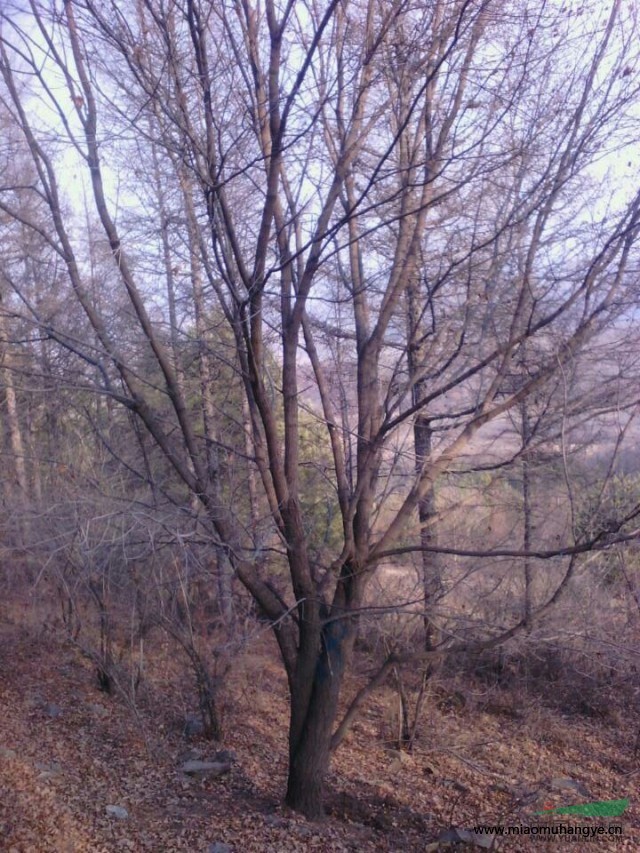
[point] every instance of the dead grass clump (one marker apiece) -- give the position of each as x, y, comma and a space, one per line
509, 678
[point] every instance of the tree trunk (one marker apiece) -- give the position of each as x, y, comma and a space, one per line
224, 574
422, 439
12, 419
526, 510
312, 719
214, 455
308, 766
16, 499
431, 570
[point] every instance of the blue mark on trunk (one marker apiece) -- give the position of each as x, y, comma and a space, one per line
330, 659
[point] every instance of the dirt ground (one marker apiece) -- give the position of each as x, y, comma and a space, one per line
68, 751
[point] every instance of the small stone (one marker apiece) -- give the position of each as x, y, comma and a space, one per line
398, 755
219, 847
47, 771
99, 710
457, 786
7, 753
190, 755
399, 759
569, 785
205, 768
303, 831
276, 821
457, 835
52, 710
53, 767
117, 811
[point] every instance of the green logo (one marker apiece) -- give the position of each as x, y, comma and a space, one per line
604, 808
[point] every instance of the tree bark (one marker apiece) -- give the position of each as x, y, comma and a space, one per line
526, 511
422, 440
312, 721
16, 445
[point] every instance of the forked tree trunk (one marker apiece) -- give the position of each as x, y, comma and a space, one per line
312, 721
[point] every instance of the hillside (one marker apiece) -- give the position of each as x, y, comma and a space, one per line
67, 752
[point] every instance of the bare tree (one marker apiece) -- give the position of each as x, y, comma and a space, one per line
375, 162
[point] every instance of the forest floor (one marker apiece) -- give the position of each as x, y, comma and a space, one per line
68, 751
